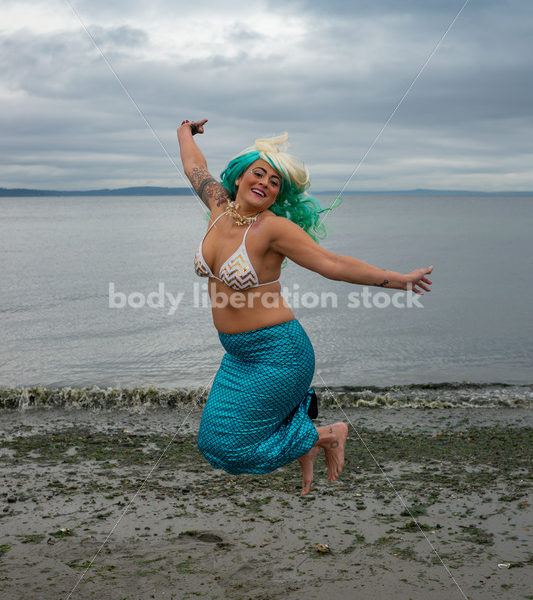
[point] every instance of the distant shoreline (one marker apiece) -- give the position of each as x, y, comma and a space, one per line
129, 191
163, 191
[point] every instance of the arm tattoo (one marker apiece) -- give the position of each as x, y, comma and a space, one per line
203, 184
383, 283
207, 187
221, 195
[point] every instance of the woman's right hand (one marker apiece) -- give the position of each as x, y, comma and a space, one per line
195, 126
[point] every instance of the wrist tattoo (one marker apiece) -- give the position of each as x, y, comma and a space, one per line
383, 283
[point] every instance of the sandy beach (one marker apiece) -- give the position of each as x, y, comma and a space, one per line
121, 505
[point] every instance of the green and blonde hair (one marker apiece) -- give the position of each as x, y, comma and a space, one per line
293, 201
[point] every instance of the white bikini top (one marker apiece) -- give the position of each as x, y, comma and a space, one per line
237, 272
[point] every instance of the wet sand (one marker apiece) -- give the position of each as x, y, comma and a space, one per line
460, 525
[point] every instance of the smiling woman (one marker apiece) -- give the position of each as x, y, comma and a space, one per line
258, 414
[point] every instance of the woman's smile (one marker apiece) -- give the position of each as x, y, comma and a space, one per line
259, 182
258, 192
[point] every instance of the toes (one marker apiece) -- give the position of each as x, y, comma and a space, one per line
330, 468
306, 464
330, 462
306, 487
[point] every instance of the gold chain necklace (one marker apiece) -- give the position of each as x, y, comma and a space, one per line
232, 207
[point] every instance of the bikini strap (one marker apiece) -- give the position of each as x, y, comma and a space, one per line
246, 232
210, 226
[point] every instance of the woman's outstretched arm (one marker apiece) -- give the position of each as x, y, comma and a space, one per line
210, 191
291, 241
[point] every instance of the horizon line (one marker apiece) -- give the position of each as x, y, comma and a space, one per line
144, 190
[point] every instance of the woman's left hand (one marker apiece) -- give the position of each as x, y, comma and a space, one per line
417, 279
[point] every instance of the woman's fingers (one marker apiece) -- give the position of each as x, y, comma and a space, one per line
421, 284
196, 126
418, 281
200, 125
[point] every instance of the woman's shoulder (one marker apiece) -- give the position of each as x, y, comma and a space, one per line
270, 221
275, 227
273, 219
276, 222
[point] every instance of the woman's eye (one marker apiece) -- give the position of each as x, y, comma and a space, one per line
260, 174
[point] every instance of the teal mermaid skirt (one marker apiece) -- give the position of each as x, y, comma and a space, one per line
256, 416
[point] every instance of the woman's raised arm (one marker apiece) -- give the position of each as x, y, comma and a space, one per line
210, 191
291, 241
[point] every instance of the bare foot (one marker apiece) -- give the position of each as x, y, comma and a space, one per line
306, 464
334, 450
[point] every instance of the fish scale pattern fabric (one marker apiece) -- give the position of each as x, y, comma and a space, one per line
256, 416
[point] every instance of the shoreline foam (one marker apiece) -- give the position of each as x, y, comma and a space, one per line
438, 395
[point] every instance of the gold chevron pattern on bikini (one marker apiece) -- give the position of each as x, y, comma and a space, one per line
236, 271
199, 266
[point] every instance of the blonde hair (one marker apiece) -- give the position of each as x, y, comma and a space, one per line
293, 202
274, 151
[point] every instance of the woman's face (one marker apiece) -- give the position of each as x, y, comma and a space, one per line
258, 186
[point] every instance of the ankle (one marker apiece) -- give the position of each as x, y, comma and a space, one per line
326, 436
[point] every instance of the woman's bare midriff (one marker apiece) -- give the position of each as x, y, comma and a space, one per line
236, 312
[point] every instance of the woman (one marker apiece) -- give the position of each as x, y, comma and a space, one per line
256, 418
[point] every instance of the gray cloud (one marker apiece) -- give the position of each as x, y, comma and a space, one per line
466, 123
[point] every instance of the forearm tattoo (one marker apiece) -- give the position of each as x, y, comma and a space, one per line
383, 283
207, 187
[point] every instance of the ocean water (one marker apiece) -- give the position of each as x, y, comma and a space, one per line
59, 257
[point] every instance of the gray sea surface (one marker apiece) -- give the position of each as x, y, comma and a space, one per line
60, 256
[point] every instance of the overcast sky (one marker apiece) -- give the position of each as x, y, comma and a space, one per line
328, 72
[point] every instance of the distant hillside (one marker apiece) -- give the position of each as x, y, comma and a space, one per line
129, 191
163, 191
